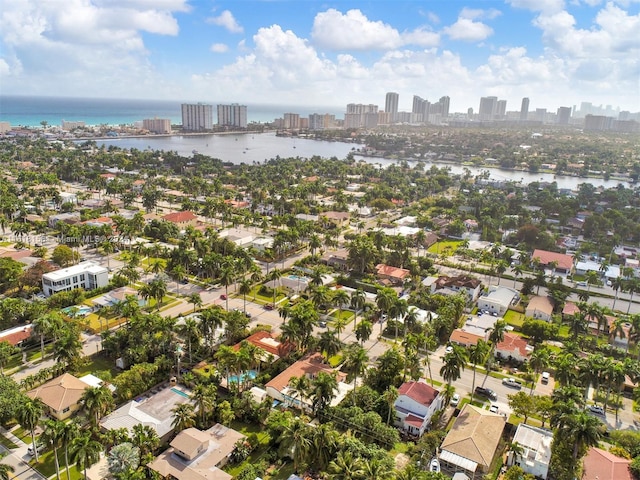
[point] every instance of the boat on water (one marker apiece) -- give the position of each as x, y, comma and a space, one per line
434, 465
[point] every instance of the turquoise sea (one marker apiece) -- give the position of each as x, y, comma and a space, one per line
30, 111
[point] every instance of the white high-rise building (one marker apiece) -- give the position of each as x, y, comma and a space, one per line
233, 115
197, 117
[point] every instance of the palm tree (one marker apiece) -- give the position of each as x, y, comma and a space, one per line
340, 299
329, 343
97, 401
195, 300
184, 416
85, 452
584, 431
275, 275
227, 277
346, 467
477, 355
68, 432
29, 414
390, 396
539, 360
145, 438
52, 435
191, 331
298, 387
123, 459
295, 441
323, 389
363, 330
454, 363
355, 361
357, 302
179, 273
244, 287
203, 398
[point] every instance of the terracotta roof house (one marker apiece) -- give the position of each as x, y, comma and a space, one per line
182, 219
602, 465
472, 441
513, 347
393, 274
61, 395
198, 455
415, 405
237, 203
466, 339
337, 218
271, 347
336, 259
16, 335
309, 366
539, 308
569, 308
564, 263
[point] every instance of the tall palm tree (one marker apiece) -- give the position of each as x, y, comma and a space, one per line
184, 416
227, 277
323, 389
244, 287
539, 360
85, 452
390, 396
203, 397
355, 361
275, 275
329, 343
191, 332
477, 355
295, 441
363, 330
454, 363
29, 414
68, 432
52, 435
357, 302
196, 300
584, 430
346, 467
146, 439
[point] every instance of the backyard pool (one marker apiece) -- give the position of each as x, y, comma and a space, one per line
180, 392
249, 374
80, 311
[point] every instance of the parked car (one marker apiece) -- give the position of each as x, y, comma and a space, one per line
455, 400
322, 324
223, 297
269, 306
449, 349
512, 383
486, 392
30, 450
494, 409
596, 410
545, 378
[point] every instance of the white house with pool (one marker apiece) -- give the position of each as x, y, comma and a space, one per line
86, 275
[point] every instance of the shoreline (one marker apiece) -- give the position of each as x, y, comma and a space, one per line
162, 135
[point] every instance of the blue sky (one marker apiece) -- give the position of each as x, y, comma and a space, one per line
307, 52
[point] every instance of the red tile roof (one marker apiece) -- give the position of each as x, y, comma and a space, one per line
17, 337
411, 419
545, 258
602, 465
464, 338
419, 392
266, 342
311, 366
180, 217
570, 308
514, 343
392, 272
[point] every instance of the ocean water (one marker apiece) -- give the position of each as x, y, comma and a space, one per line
31, 111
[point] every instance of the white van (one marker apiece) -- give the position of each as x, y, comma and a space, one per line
545, 377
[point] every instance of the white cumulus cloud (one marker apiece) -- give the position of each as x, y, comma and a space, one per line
219, 48
352, 31
468, 30
226, 20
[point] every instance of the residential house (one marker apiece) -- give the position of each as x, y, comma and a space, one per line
16, 335
561, 262
472, 441
415, 406
198, 455
465, 339
86, 275
182, 219
394, 275
476, 327
463, 283
336, 259
272, 349
539, 308
338, 219
70, 217
309, 366
61, 395
536, 450
154, 409
513, 347
599, 464
498, 300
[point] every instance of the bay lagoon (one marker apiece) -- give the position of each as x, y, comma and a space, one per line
259, 147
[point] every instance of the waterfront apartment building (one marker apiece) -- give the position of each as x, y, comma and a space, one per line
488, 108
233, 115
391, 105
291, 121
197, 117
319, 121
86, 275
157, 125
359, 115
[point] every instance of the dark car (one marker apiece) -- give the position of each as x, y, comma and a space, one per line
486, 392
269, 306
223, 296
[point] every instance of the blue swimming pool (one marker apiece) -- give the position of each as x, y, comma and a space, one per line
180, 392
80, 310
249, 374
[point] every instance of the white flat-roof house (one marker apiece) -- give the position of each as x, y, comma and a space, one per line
536, 450
498, 300
87, 275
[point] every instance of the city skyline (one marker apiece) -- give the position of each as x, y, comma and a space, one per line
556, 52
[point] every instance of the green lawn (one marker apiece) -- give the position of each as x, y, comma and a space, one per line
24, 435
97, 363
335, 360
8, 444
261, 449
47, 466
445, 246
513, 318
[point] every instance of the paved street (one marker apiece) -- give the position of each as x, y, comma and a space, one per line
18, 459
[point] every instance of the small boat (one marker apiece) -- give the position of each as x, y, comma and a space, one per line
194, 151
434, 465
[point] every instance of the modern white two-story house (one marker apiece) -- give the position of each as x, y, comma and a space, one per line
87, 275
415, 405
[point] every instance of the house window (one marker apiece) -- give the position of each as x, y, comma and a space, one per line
66, 410
82, 277
75, 279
